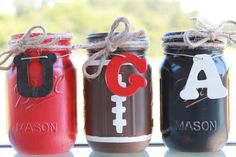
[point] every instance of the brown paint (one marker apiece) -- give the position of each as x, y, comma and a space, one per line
98, 108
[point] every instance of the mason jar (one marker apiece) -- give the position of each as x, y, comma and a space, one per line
42, 98
116, 123
194, 103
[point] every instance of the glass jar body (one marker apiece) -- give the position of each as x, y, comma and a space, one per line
43, 125
199, 125
99, 115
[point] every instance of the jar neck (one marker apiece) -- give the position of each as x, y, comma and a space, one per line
138, 52
100, 37
61, 47
196, 51
38, 52
174, 42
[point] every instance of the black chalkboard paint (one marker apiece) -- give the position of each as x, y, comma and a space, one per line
23, 84
199, 125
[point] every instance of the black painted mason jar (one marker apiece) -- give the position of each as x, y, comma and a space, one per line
117, 124
200, 124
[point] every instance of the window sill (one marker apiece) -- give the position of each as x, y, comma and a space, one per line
151, 151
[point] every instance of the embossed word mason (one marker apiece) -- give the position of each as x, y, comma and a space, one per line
44, 127
196, 126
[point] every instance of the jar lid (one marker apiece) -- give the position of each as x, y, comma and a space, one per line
178, 40
139, 43
38, 40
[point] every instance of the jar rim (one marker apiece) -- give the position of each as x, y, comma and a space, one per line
105, 34
65, 36
176, 40
174, 33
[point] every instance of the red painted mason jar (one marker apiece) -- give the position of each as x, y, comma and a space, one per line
42, 98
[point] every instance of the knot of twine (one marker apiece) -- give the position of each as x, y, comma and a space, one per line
27, 42
112, 42
209, 33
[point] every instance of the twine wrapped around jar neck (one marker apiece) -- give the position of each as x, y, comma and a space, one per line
112, 42
36, 42
204, 36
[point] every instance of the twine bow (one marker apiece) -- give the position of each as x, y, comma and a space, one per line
112, 42
26, 42
209, 33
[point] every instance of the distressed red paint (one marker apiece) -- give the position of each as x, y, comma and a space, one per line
57, 111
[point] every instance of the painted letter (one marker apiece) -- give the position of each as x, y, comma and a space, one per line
136, 81
213, 83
